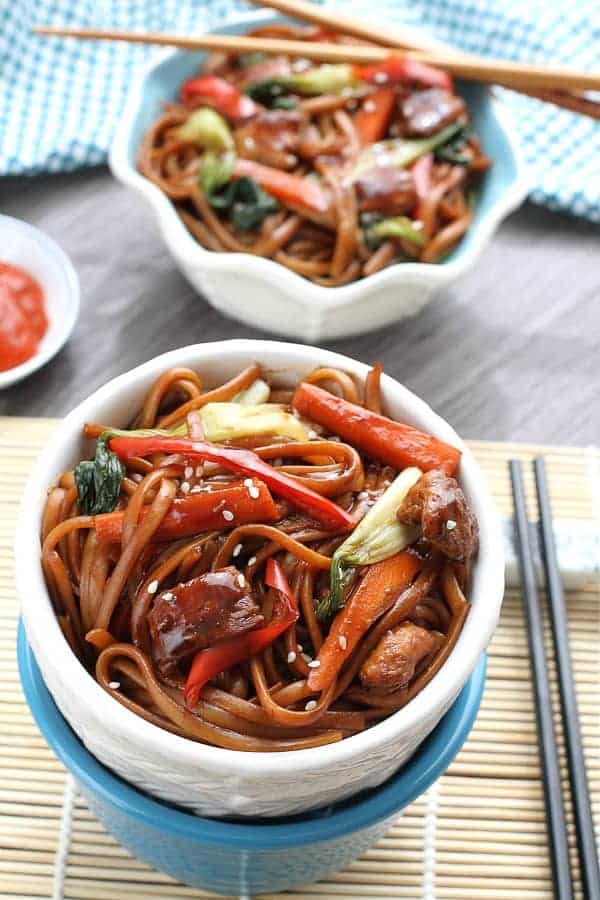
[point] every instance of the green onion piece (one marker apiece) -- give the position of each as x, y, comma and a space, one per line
215, 172
378, 536
326, 79
396, 227
401, 152
226, 421
258, 392
206, 129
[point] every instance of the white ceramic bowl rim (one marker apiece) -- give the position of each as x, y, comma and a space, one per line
41, 621
49, 248
191, 253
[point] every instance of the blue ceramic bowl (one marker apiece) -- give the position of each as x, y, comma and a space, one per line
248, 858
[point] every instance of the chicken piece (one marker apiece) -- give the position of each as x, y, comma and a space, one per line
271, 138
392, 664
386, 189
198, 613
438, 506
426, 112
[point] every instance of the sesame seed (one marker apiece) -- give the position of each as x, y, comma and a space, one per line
364, 495
254, 492
312, 704
241, 580
380, 77
291, 657
196, 489
168, 595
314, 664
137, 477
306, 658
342, 642
228, 515
185, 487
312, 435
153, 587
252, 561
237, 550
114, 685
347, 91
199, 471
450, 525
248, 482
249, 143
188, 472
369, 106
300, 648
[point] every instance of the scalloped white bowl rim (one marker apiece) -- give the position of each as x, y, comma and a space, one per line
191, 254
43, 629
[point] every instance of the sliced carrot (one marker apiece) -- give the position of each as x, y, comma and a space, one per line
391, 442
293, 190
377, 589
372, 118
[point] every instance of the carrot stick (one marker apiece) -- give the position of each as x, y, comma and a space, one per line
294, 190
194, 513
372, 118
378, 588
393, 443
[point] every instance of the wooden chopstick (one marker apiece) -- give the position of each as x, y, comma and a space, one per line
394, 36
474, 69
554, 803
584, 823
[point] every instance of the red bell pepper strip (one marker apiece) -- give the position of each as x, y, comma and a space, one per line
393, 443
293, 190
245, 462
373, 116
208, 663
422, 172
398, 68
199, 512
220, 95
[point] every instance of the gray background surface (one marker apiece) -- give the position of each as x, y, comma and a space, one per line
511, 352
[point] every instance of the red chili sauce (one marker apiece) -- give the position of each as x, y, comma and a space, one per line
23, 320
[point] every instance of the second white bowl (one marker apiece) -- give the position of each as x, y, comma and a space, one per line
208, 780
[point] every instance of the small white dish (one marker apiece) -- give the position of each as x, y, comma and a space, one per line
29, 248
208, 780
263, 293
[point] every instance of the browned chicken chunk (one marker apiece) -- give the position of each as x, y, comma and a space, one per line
392, 664
198, 613
425, 112
386, 189
438, 506
271, 137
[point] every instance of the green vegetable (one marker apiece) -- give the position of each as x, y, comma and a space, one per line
99, 480
451, 151
395, 227
215, 172
326, 79
245, 201
271, 94
378, 536
401, 152
207, 129
226, 421
258, 392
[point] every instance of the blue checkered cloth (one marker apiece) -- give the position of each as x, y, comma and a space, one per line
60, 100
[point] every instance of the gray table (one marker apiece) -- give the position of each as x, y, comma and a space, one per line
509, 353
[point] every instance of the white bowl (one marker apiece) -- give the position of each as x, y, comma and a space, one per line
264, 294
208, 780
29, 248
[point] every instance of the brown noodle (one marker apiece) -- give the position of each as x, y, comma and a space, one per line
103, 593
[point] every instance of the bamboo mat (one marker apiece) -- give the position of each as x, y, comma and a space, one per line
478, 834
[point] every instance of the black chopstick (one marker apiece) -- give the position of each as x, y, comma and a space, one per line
584, 823
555, 811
